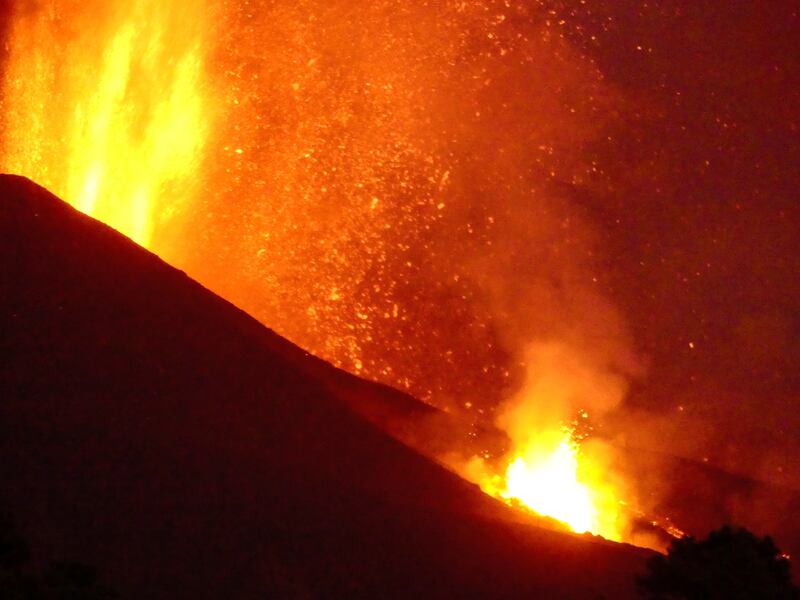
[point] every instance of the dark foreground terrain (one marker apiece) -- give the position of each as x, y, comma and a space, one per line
154, 431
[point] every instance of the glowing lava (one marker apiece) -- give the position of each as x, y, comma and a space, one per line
106, 107
548, 483
549, 478
553, 467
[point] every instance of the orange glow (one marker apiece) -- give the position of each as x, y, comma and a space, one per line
338, 178
549, 477
553, 467
106, 108
340, 159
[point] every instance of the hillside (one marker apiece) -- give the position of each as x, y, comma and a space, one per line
152, 429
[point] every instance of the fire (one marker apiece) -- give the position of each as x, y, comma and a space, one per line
549, 477
554, 467
552, 476
106, 107
547, 482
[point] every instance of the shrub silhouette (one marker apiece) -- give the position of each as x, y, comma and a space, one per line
732, 564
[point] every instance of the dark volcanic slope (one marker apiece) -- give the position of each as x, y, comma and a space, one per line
150, 428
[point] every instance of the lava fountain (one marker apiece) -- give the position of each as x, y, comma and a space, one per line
104, 105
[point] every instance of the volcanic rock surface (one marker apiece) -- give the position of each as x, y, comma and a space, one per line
155, 431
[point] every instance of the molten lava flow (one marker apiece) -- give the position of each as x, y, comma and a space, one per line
104, 105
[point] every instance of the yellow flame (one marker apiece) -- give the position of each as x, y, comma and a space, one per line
546, 480
550, 468
549, 477
552, 477
104, 105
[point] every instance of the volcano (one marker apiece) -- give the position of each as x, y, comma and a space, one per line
153, 430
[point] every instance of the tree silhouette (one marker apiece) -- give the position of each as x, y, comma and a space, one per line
732, 564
